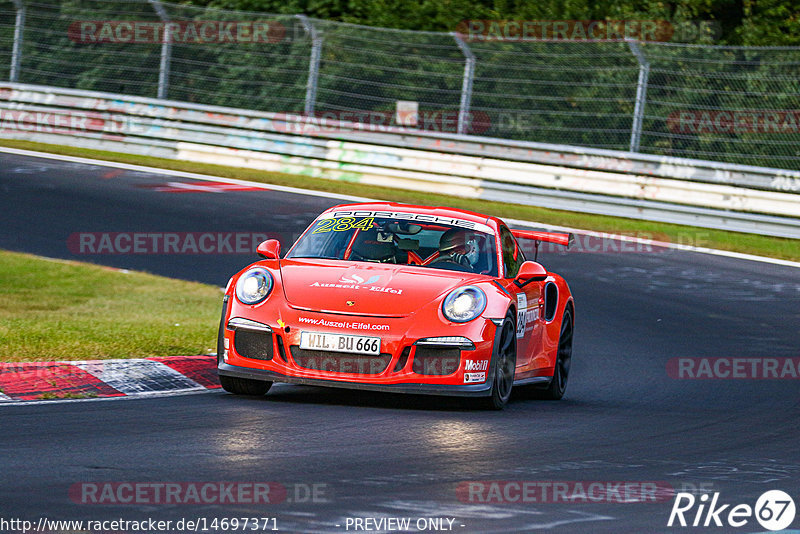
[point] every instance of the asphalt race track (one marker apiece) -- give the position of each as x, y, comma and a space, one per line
624, 418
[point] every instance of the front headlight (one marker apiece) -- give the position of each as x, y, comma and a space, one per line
464, 304
254, 286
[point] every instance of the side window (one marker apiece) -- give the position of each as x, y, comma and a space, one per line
512, 254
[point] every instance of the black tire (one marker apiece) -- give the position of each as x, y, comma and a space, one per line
505, 363
558, 385
244, 386
232, 384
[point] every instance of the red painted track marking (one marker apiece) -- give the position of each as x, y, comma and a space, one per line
30, 381
113, 174
201, 187
201, 369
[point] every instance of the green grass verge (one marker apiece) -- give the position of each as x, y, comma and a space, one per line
58, 310
738, 242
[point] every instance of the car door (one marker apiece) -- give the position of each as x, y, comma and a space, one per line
528, 300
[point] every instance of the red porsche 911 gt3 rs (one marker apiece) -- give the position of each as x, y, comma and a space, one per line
399, 298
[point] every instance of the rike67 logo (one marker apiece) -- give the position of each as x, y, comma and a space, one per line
774, 510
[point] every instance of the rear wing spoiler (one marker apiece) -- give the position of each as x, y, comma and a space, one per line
547, 237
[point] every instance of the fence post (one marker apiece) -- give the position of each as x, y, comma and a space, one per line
166, 50
313, 64
466, 84
641, 94
16, 51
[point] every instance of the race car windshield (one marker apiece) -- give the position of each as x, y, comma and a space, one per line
426, 241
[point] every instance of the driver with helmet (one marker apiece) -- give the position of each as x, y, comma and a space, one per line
458, 246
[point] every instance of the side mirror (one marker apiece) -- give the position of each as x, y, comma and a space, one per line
270, 249
530, 271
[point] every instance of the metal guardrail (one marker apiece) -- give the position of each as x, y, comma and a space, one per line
708, 194
772, 179
646, 91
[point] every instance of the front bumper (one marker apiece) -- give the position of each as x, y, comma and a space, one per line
466, 390
403, 360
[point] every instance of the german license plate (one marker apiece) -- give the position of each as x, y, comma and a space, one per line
340, 343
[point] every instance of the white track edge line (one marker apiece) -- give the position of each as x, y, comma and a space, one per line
182, 174
309, 192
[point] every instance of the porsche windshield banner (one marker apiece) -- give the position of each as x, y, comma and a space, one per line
402, 216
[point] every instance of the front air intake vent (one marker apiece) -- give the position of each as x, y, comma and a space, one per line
402, 360
436, 361
253, 345
340, 362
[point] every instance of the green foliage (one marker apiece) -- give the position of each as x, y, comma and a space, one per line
766, 22
59, 310
770, 23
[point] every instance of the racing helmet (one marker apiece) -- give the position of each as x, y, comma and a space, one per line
454, 241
